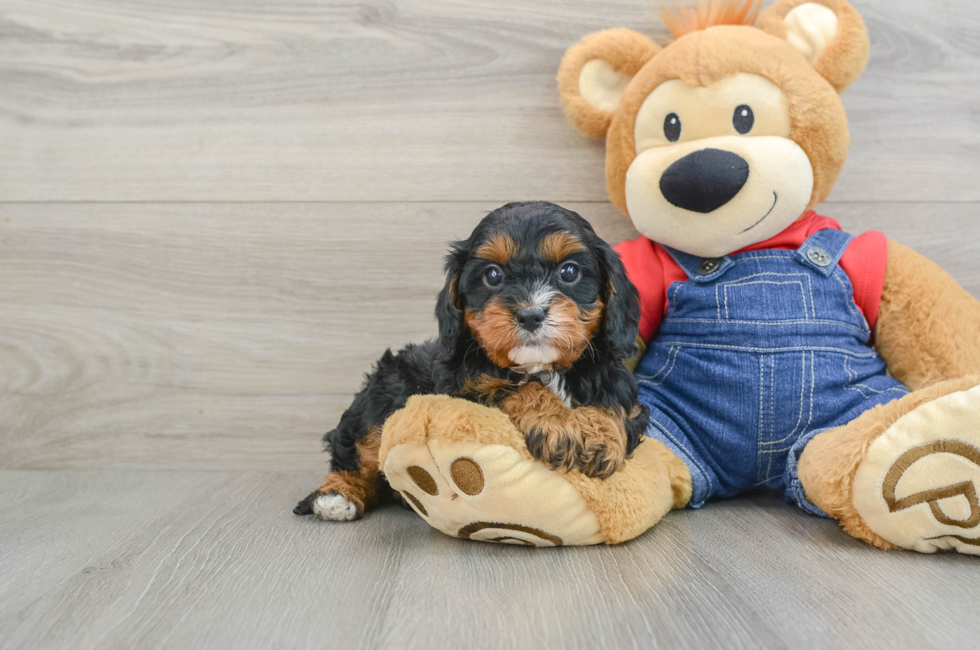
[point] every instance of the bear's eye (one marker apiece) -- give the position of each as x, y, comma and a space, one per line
672, 127
743, 119
493, 276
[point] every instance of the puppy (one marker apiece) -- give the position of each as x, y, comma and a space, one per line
536, 318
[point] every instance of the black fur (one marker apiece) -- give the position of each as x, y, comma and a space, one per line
443, 365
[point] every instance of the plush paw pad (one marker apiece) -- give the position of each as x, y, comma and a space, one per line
480, 492
333, 506
918, 485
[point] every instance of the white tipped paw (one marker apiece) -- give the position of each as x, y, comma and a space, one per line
334, 507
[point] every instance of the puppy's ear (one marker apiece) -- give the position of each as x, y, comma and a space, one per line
449, 304
621, 321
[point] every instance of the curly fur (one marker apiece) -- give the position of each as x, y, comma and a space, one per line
591, 324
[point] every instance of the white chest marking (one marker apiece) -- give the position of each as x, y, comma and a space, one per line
557, 386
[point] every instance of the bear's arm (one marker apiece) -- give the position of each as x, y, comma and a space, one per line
928, 326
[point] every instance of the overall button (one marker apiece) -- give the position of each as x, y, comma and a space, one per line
818, 256
709, 265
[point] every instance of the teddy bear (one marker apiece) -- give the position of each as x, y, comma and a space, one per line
841, 371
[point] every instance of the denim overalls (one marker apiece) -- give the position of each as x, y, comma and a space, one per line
757, 353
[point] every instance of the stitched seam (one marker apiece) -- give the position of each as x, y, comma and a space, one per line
809, 419
714, 346
671, 359
856, 387
762, 392
806, 312
687, 453
811, 434
813, 305
771, 452
835, 242
789, 255
765, 478
674, 350
851, 378
813, 384
769, 323
851, 306
799, 418
676, 288
759, 275
657, 374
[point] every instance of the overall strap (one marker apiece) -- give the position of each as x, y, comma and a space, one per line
700, 269
823, 249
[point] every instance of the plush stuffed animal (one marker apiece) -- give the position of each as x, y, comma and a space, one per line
842, 371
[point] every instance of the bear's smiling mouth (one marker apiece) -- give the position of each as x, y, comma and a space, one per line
774, 199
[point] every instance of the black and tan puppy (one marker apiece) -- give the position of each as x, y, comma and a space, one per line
536, 318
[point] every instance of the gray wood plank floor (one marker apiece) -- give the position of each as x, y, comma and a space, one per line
214, 215
215, 559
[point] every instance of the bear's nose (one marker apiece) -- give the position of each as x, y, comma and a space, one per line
705, 180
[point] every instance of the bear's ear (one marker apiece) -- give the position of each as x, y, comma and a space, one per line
829, 33
595, 72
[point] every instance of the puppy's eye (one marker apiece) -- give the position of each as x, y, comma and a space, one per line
743, 119
493, 276
569, 273
672, 127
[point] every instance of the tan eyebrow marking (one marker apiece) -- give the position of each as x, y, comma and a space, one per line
500, 248
559, 245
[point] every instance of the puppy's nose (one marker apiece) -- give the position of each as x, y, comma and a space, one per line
705, 180
531, 318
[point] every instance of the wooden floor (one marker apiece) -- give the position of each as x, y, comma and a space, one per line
215, 214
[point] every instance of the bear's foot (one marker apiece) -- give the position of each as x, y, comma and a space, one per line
487, 493
466, 470
916, 478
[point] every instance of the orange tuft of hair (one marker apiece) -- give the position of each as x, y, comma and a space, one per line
682, 20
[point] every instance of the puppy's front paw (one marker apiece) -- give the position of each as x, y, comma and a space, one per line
603, 441
554, 445
601, 460
333, 506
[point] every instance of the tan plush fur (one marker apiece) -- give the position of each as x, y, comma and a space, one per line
681, 20
928, 326
830, 461
652, 481
818, 120
632, 500
845, 58
819, 123
450, 419
623, 49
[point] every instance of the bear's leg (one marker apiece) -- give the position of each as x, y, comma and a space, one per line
904, 474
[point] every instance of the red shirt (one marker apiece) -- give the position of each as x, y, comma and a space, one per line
653, 270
